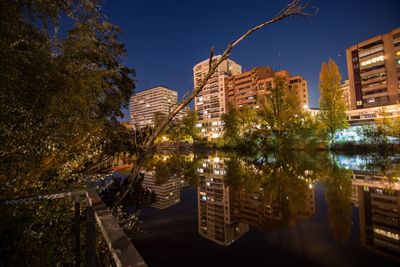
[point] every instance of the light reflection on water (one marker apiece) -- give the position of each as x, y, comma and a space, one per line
339, 201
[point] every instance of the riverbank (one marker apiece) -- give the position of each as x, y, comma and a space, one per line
348, 148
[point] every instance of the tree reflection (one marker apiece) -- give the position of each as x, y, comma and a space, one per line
387, 167
283, 182
338, 192
166, 166
272, 190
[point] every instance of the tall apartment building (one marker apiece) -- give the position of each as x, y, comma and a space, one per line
299, 84
210, 102
345, 86
145, 104
374, 71
243, 89
214, 204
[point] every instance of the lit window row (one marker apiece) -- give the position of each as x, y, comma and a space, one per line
387, 234
372, 60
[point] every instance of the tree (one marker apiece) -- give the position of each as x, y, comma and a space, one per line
178, 130
231, 125
188, 126
281, 114
60, 93
332, 104
239, 125
386, 127
294, 9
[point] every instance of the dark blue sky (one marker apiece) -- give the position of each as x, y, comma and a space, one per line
165, 39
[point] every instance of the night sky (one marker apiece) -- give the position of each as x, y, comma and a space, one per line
165, 39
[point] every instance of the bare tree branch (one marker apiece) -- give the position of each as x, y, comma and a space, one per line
295, 9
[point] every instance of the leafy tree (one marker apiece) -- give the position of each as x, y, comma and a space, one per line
281, 114
239, 125
178, 130
374, 134
387, 125
60, 93
332, 104
231, 125
188, 126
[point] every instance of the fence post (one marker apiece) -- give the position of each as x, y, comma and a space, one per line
77, 231
90, 237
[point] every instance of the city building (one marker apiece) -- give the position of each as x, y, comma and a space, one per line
374, 71
145, 104
243, 89
182, 113
210, 102
214, 204
369, 115
299, 84
345, 86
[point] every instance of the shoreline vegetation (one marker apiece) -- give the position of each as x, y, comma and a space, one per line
340, 147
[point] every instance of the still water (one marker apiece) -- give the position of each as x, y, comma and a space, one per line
220, 209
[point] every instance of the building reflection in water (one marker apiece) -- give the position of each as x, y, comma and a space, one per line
225, 213
168, 193
214, 204
379, 213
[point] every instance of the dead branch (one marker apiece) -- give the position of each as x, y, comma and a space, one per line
295, 9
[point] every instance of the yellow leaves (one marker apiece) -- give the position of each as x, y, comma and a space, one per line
332, 103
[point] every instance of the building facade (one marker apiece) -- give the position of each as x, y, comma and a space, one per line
145, 104
299, 84
369, 115
243, 89
345, 86
210, 102
374, 71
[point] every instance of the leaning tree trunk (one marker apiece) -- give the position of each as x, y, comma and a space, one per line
295, 9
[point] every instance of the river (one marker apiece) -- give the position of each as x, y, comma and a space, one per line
225, 209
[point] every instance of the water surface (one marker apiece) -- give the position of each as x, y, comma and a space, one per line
320, 209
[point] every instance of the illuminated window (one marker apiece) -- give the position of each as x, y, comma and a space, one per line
371, 61
387, 234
